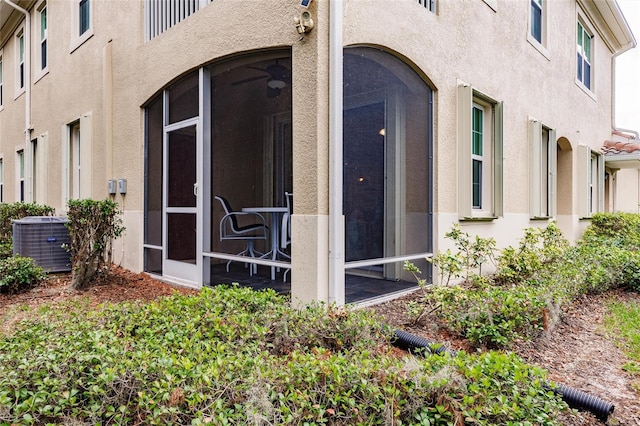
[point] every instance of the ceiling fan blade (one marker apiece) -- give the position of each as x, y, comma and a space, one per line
247, 80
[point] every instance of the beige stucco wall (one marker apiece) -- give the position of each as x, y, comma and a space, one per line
467, 41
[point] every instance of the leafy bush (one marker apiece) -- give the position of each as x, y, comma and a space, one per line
92, 227
10, 212
616, 229
234, 356
19, 273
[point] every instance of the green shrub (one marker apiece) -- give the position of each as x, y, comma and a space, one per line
614, 229
10, 212
19, 273
218, 358
92, 227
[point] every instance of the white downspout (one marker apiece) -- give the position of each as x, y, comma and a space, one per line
28, 149
336, 218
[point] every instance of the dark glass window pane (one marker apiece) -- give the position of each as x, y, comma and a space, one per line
43, 54
181, 170
181, 237
579, 67
153, 261
477, 184
477, 131
84, 16
184, 98
153, 173
587, 75
536, 20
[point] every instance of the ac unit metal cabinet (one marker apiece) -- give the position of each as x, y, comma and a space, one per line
41, 238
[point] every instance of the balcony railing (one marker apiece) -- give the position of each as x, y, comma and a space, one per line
160, 15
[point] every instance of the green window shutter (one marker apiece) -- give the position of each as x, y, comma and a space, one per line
584, 157
498, 156
535, 152
553, 173
465, 102
600, 182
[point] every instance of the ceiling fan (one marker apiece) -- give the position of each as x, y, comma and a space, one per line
277, 76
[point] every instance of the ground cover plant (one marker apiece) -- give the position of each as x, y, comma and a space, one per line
532, 282
230, 355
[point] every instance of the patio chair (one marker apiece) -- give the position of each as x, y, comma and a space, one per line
231, 230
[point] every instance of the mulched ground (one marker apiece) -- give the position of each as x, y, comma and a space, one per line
576, 352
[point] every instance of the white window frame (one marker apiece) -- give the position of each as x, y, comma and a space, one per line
42, 39
543, 170
493, 144
78, 39
77, 146
1, 180
21, 70
586, 29
540, 45
1, 80
21, 190
430, 5
591, 171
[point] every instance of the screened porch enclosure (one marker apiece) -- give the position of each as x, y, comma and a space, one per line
219, 144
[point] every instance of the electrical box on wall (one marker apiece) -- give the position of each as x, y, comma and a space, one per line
111, 185
122, 186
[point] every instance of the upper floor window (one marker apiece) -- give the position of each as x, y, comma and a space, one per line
536, 20
84, 16
20, 59
584, 55
42, 17
82, 28
480, 147
428, 4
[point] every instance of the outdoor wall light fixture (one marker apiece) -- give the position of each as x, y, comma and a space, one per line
304, 22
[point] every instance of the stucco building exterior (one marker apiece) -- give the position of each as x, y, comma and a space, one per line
389, 121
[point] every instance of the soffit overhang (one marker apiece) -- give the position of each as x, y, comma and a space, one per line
610, 23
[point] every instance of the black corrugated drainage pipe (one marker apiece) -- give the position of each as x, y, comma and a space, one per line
573, 397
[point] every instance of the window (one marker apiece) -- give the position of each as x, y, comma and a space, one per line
84, 17
479, 155
584, 56
543, 170
76, 159
1, 82
430, 5
42, 13
20, 59
20, 162
82, 28
536, 20
1, 181
591, 181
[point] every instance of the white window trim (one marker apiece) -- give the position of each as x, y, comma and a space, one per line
538, 194
2, 73
21, 188
40, 71
586, 156
467, 95
16, 37
540, 46
582, 20
79, 40
86, 144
